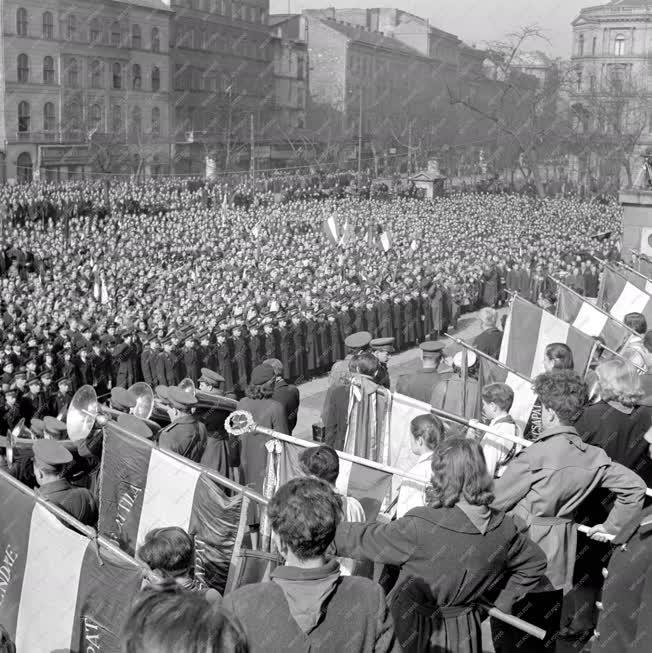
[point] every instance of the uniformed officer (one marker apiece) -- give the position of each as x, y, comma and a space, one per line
53, 428
454, 394
135, 425
354, 344
123, 400
186, 435
51, 459
61, 400
382, 349
419, 385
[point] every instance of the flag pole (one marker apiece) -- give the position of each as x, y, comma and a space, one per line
482, 354
631, 269
611, 317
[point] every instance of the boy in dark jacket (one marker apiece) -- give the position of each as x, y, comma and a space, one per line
308, 605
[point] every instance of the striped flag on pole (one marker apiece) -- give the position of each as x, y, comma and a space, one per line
59, 590
331, 230
618, 296
524, 397
590, 319
104, 293
143, 488
530, 329
637, 279
347, 234
385, 239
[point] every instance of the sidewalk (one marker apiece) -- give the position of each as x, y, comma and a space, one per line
313, 392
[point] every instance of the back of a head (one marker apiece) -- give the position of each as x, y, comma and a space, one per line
488, 317
364, 363
275, 364
636, 322
560, 355
322, 462
619, 381
304, 513
169, 550
500, 394
563, 392
459, 473
181, 622
430, 428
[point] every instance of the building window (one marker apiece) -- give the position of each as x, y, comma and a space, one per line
73, 74
136, 122
580, 45
136, 38
24, 168
136, 77
95, 115
116, 34
23, 116
71, 27
48, 70
116, 118
117, 75
49, 117
74, 115
95, 31
592, 82
579, 81
21, 22
96, 74
594, 46
619, 49
156, 79
23, 68
156, 121
156, 40
48, 25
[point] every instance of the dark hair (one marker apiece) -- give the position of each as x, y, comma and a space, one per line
500, 394
636, 322
563, 392
560, 355
169, 550
364, 363
647, 341
181, 622
264, 391
459, 472
305, 513
428, 427
322, 462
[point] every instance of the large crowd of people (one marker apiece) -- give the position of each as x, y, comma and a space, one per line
107, 286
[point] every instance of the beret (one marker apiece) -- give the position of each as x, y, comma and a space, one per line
134, 425
53, 425
180, 398
262, 374
358, 340
431, 346
51, 452
121, 398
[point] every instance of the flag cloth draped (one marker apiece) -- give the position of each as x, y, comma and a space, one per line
524, 397
331, 230
59, 590
638, 280
144, 488
347, 234
618, 296
385, 240
590, 320
530, 329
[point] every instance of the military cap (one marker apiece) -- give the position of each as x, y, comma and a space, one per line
383, 344
122, 399
51, 452
20, 375
134, 425
63, 380
11, 392
53, 426
46, 374
208, 376
162, 392
37, 427
358, 340
431, 347
180, 398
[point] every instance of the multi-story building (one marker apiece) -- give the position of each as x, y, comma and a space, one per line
85, 87
222, 80
611, 90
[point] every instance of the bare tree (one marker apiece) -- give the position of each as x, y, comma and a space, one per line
523, 109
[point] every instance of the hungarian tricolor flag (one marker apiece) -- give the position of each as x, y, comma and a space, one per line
637, 279
590, 319
530, 329
143, 488
385, 240
619, 296
331, 230
524, 397
347, 234
59, 590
